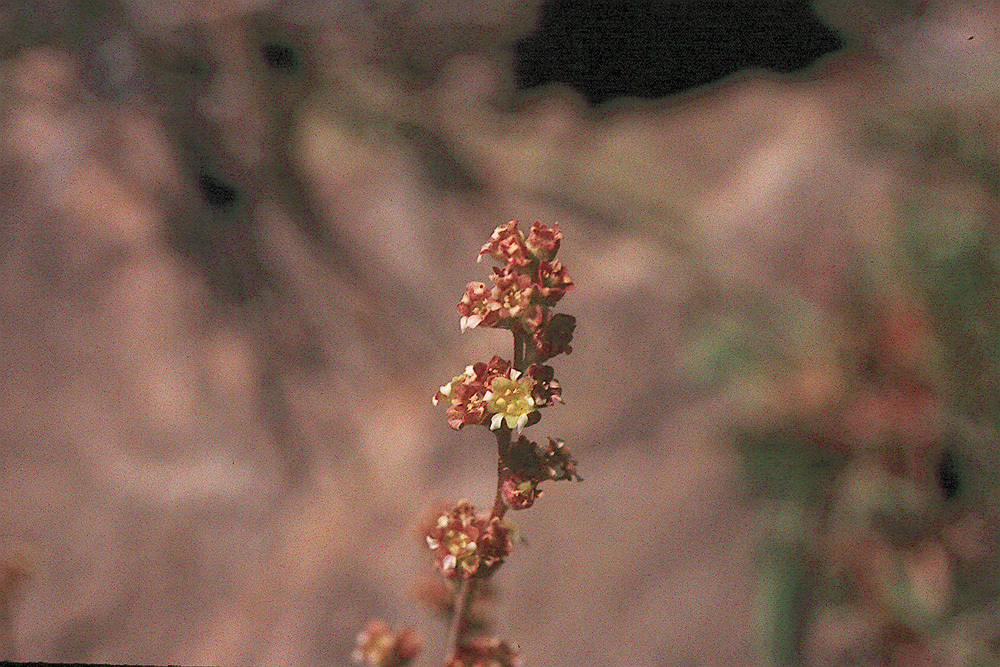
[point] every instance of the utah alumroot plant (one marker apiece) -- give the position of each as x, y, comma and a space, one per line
467, 546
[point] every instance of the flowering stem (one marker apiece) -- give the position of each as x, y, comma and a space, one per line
503, 395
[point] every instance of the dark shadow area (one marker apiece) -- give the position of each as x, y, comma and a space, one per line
649, 49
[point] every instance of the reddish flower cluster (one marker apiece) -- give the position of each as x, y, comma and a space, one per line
494, 391
529, 465
524, 290
379, 646
520, 492
467, 543
556, 461
485, 652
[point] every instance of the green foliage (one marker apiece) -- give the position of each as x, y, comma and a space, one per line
878, 525
787, 464
955, 264
786, 596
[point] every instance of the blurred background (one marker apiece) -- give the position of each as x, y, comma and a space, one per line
233, 237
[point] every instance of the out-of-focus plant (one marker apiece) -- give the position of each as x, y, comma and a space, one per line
468, 547
877, 481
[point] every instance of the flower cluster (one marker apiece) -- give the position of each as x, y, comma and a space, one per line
379, 646
524, 290
485, 652
467, 543
495, 391
527, 465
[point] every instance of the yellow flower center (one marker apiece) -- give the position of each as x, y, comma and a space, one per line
511, 397
458, 542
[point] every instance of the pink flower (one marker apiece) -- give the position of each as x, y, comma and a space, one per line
511, 293
469, 544
552, 281
497, 367
466, 394
542, 241
506, 245
453, 540
519, 493
472, 395
468, 405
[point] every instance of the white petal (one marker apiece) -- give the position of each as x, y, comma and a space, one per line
521, 421
470, 322
497, 419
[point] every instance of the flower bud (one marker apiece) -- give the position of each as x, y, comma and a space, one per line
543, 241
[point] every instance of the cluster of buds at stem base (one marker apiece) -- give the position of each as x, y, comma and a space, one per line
379, 646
